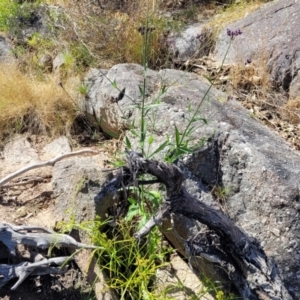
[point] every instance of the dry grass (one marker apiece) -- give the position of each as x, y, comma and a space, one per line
234, 12
30, 105
251, 77
292, 111
113, 35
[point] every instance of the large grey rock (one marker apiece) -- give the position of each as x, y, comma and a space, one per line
104, 89
57, 147
115, 117
257, 169
253, 172
75, 183
191, 43
19, 152
179, 282
294, 90
270, 38
58, 62
75, 196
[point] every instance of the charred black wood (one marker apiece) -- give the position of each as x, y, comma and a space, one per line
252, 272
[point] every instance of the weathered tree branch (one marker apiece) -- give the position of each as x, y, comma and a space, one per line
24, 269
10, 236
152, 222
51, 162
255, 275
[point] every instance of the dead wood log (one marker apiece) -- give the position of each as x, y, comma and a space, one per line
255, 275
24, 269
11, 235
40, 237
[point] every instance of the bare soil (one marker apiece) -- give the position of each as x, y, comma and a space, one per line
31, 204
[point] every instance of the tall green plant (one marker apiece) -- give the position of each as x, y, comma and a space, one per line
131, 266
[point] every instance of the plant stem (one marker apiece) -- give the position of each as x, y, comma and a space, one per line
143, 90
202, 100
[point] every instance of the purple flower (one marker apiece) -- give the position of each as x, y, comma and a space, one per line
248, 61
233, 33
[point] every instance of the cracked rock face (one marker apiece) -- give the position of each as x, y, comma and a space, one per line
193, 42
102, 102
245, 169
269, 37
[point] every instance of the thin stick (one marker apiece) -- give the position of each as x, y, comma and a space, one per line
51, 162
33, 180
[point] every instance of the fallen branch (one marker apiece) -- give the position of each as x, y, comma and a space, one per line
24, 269
225, 245
11, 235
51, 162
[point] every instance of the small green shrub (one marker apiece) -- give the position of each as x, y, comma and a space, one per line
83, 89
39, 43
83, 58
8, 10
129, 265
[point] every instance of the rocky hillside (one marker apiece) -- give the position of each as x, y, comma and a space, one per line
210, 86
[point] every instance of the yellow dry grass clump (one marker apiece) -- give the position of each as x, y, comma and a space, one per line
30, 105
292, 110
250, 78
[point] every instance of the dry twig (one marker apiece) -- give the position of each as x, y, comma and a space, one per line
51, 162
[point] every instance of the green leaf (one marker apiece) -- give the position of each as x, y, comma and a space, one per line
204, 121
111, 134
163, 89
155, 197
190, 130
128, 144
179, 151
142, 92
133, 211
160, 147
210, 80
118, 163
151, 139
133, 131
143, 221
114, 84
143, 137
131, 200
177, 136
156, 194
195, 118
